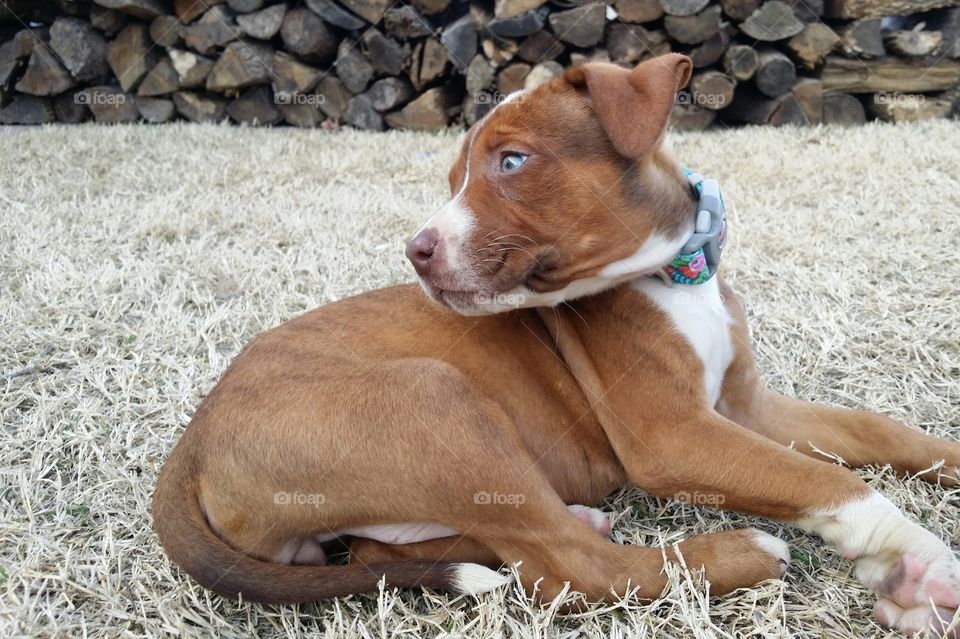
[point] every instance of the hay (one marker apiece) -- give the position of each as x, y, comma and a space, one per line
136, 261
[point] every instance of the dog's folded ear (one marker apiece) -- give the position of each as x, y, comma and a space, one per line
633, 105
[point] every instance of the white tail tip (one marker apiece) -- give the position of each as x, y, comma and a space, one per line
472, 579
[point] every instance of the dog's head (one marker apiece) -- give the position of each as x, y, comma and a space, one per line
559, 192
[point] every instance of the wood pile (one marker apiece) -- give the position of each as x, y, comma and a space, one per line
428, 64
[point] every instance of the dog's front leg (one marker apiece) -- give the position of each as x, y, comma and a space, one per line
712, 460
672, 444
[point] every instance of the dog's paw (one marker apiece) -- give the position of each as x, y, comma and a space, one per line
596, 519
737, 558
918, 587
776, 548
927, 572
933, 620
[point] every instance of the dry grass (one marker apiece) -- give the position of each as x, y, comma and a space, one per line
136, 261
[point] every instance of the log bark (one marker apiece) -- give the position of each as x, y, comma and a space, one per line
511, 78
242, 64
198, 107
28, 109
741, 61
773, 21
581, 26
809, 95
44, 75
752, 107
809, 11
81, 49
426, 113
683, 7
144, 9
862, 39
912, 43
161, 80
370, 10
255, 107
739, 9
842, 109
693, 29
631, 43
305, 34
690, 117
156, 110
165, 31
460, 39
543, 45
710, 51
947, 22
289, 75
712, 90
405, 23
385, 54
888, 74
812, 45
428, 62
639, 11
263, 24
776, 73
215, 29
908, 107
879, 8
131, 55
370, 63
361, 114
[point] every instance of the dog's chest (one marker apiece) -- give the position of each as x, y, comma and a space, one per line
698, 313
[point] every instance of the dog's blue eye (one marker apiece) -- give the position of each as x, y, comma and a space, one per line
511, 162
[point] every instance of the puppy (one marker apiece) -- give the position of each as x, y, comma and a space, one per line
581, 340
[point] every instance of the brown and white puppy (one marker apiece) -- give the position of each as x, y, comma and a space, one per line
444, 444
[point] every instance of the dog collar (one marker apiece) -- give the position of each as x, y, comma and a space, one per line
699, 258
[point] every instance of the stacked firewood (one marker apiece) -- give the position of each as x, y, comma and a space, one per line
427, 64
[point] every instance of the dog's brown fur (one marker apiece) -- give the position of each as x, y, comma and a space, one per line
397, 410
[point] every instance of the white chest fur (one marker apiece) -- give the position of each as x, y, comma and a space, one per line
698, 313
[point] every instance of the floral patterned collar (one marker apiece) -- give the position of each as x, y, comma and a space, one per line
699, 258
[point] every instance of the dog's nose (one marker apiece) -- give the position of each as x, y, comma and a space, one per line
420, 249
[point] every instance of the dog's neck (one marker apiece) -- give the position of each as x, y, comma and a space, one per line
688, 208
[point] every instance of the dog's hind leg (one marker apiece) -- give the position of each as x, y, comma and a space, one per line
491, 489
458, 548
455, 548
522, 520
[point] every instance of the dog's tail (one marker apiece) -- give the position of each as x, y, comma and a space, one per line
190, 543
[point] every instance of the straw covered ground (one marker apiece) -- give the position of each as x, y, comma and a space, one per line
136, 261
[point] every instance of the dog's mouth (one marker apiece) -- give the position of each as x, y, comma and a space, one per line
477, 292
474, 301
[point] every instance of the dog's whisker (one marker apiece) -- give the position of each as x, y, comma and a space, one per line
577, 313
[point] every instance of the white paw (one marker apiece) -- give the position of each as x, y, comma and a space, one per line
916, 620
774, 546
924, 571
596, 519
918, 588
899, 560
